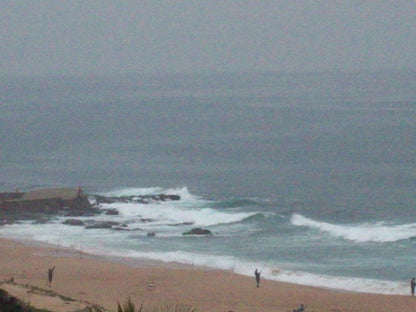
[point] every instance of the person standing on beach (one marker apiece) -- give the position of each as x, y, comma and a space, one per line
413, 286
257, 275
50, 275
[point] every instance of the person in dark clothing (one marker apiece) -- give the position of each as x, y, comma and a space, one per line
413, 286
257, 275
300, 309
50, 275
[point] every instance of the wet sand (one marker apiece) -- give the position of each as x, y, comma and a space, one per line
102, 281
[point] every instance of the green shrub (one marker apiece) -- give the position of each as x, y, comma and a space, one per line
130, 307
10, 303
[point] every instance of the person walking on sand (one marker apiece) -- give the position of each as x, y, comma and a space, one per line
413, 286
50, 275
257, 275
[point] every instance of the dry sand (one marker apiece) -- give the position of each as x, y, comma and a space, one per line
99, 281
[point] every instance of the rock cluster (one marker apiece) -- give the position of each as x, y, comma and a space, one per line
46, 202
42, 205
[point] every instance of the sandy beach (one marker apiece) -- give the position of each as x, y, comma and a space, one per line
92, 280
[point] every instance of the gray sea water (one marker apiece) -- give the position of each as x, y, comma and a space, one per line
310, 177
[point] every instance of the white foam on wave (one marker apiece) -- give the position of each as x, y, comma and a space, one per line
182, 257
137, 191
132, 191
172, 213
246, 268
97, 242
365, 232
49, 233
189, 209
338, 282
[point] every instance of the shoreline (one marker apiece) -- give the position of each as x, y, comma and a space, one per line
56, 250
51, 250
102, 281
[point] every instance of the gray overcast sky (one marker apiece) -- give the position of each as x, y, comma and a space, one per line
108, 37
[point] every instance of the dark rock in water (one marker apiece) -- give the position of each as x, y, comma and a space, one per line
144, 220
198, 231
112, 212
102, 225
183, 223
143, 199
74, 222
104, 200
164, 197
42, 219
151, 234
122, 227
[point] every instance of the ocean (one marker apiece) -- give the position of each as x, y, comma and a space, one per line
309, 177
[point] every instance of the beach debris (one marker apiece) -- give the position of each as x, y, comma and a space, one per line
150, 284
275, 272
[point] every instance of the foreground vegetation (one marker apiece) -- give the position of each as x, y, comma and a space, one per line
129, 306
12, 304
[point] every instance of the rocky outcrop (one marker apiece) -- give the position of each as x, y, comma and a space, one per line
42, 205
10, 195
32, 205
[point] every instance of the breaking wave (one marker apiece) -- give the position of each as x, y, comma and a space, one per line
189, 209
183, 192
365, 232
